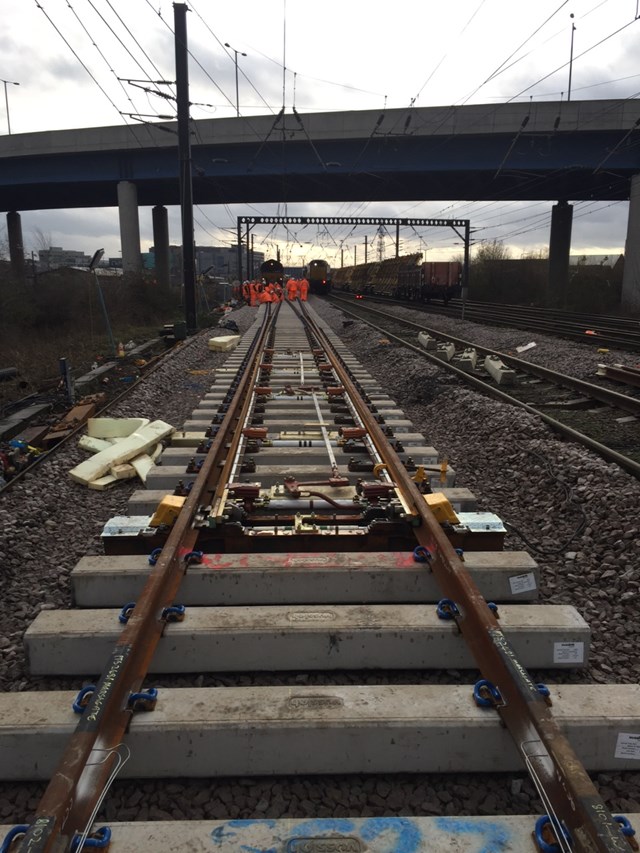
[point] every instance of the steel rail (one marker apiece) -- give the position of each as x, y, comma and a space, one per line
525, 318
622, 373
607, 453
83, 772
231, 463
47, 454
596, 392
562, 781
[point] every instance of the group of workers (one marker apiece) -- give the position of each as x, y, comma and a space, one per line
258, 291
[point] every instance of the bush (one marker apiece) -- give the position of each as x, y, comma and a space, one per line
590, 291
60, 314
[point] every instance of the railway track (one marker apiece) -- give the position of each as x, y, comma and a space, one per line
48, 421
334, 561
597, 414
607, 331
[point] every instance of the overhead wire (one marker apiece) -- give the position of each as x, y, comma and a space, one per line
500, 68
445, 55
574, 59
601, 41
195, 59
131, 36
102, 56
221, 44
138, 116
284, 70
84, 66
364, 203
208, 75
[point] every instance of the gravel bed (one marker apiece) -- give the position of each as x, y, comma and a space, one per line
575, 359
577, 513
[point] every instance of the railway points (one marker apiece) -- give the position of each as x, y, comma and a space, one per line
290, 584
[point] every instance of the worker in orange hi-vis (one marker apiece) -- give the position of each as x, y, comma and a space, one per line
246, 292
278, 291
253, 293
303, 286
292, 289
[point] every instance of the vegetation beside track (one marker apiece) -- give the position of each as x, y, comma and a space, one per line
59, 314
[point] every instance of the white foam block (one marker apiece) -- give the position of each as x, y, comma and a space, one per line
135, 445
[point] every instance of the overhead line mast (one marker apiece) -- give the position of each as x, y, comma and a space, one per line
462, 227
184, 153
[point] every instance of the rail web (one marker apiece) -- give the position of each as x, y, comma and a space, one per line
562, 782
96, 749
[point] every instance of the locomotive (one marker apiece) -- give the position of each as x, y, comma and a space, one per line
272, 272
318, 274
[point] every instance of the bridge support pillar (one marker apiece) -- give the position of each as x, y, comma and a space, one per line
129, 227
559, 250
16, 245
631, 278
161, 244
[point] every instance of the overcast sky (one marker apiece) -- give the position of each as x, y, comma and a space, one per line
67, 56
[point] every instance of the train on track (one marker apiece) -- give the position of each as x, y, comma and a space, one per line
430, 280
406, 278
318, 274
272, 272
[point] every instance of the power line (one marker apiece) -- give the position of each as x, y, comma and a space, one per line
579, 56
249, 81
500, 69
136, 115
446, 54
64, 39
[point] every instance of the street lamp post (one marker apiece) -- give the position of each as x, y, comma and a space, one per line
236, 52
573, 29
6, 100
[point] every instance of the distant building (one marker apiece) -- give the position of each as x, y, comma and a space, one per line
293, 272
215, 261
222, 261
55, 257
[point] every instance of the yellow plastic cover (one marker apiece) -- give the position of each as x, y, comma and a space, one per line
168, 510
441, 508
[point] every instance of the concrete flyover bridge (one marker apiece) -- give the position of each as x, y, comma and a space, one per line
519, 151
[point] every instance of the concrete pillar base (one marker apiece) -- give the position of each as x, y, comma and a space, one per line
161, 245
559, 250
129, 227
631, 278
16, 244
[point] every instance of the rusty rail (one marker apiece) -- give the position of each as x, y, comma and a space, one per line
562, 782
87, 764
609, 396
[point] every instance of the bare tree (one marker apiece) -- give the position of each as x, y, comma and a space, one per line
40, 239
536, 255
491, 250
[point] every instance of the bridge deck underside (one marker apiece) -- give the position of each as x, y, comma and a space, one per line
568, 166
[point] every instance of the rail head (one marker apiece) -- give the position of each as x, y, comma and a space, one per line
92, 754
562, 782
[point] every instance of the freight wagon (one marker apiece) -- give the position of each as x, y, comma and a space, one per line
430, 280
